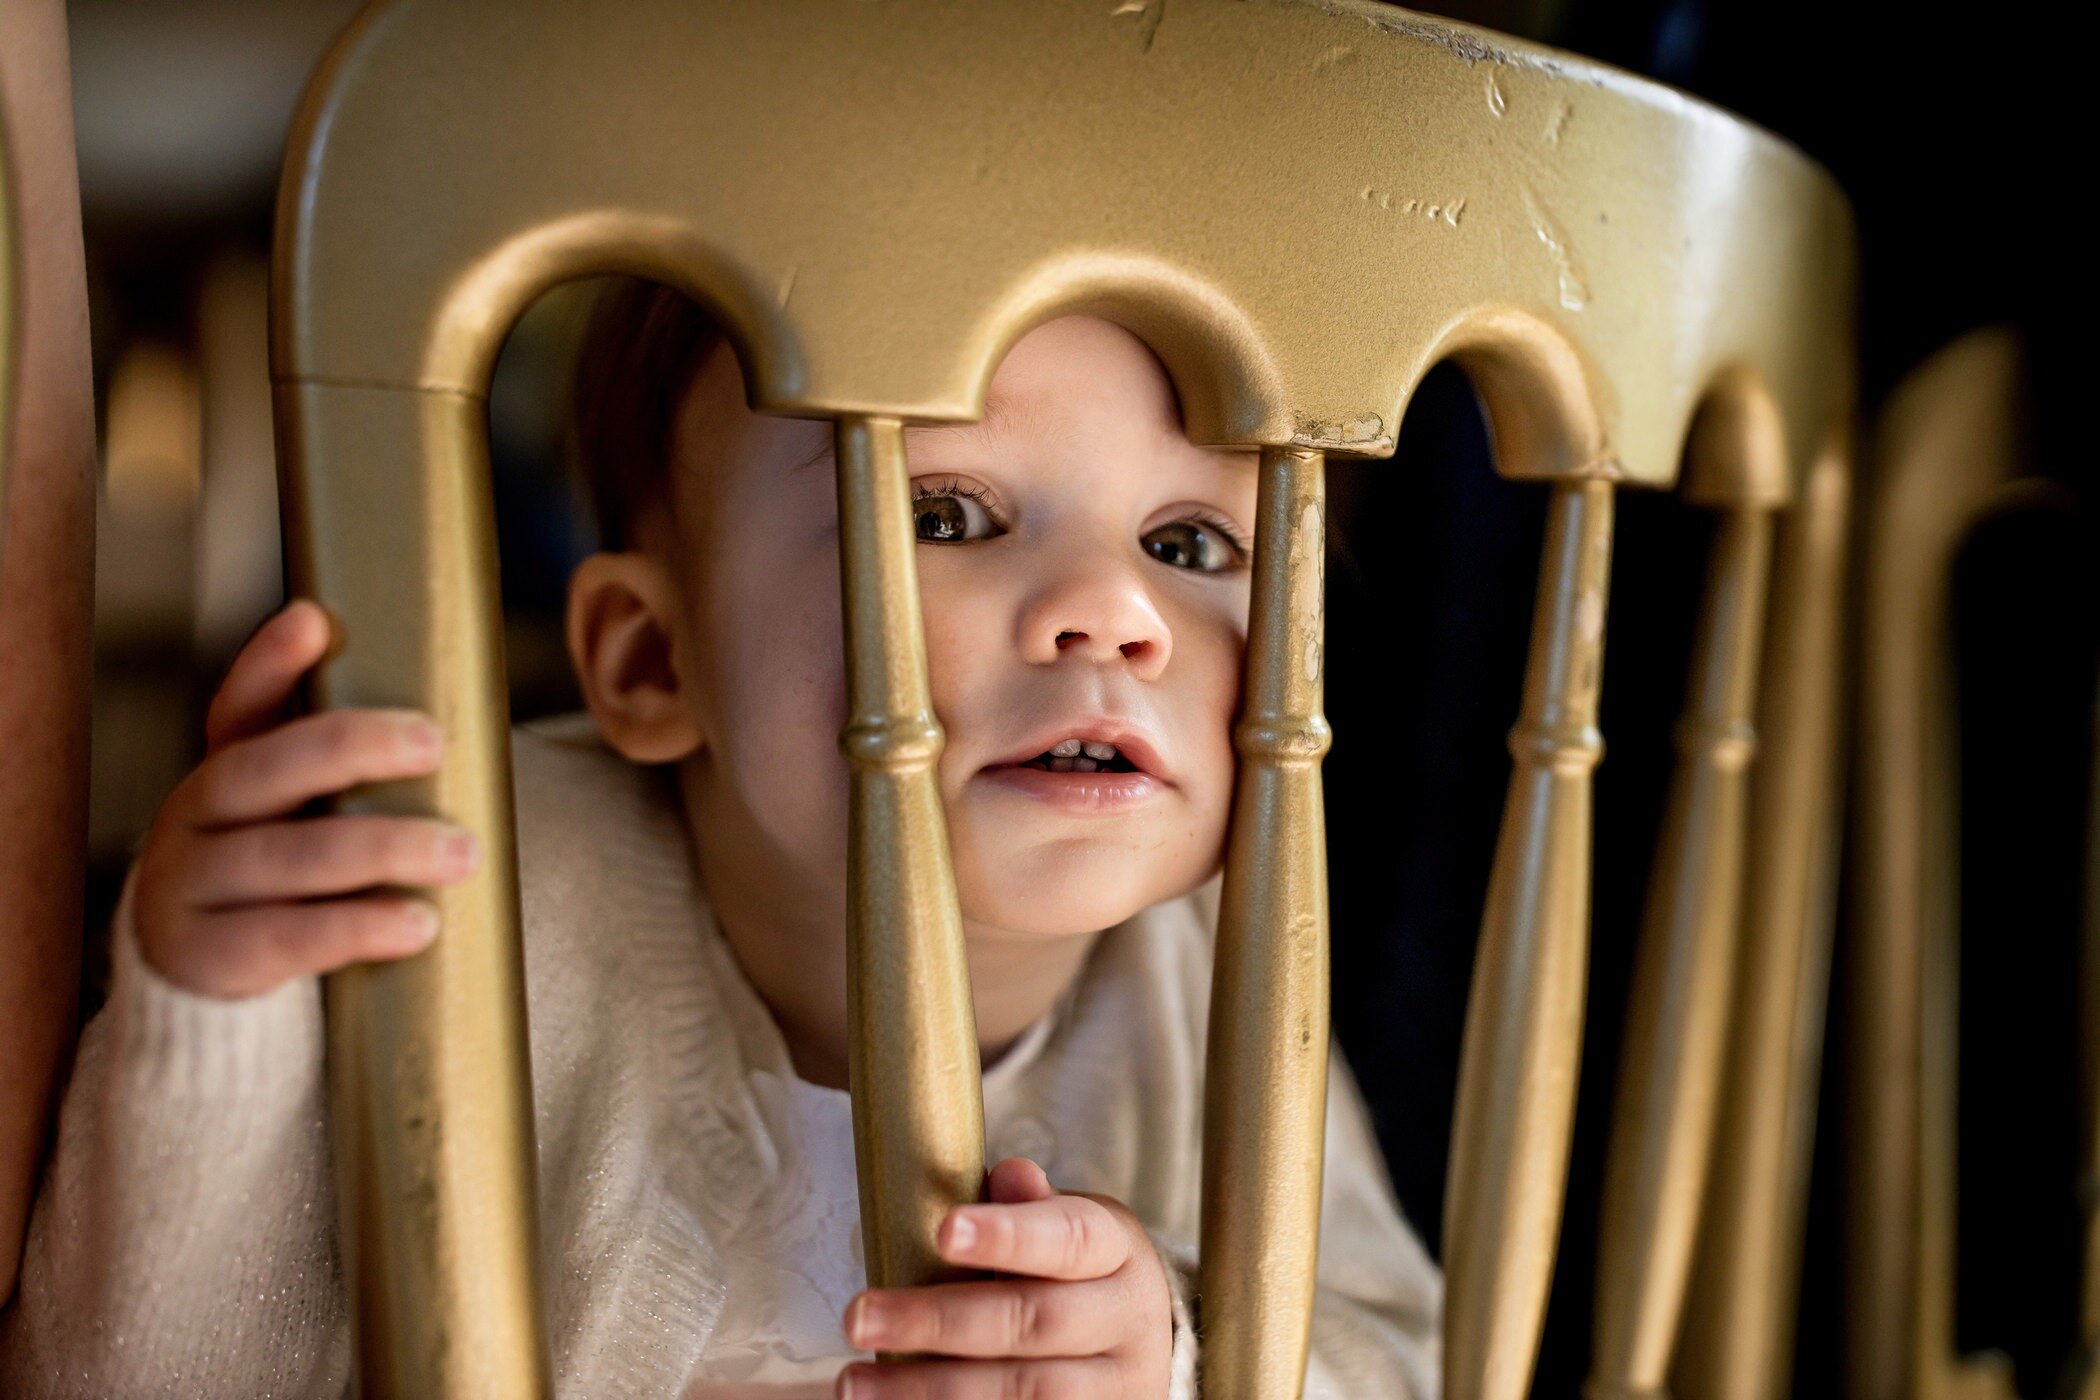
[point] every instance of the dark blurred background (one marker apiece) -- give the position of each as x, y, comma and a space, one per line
1957, 146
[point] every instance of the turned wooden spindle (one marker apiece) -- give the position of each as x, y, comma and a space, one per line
1265, 1098
918, 1107
1677, 1008
1523, 1040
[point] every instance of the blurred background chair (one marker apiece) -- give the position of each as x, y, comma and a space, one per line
1955, 463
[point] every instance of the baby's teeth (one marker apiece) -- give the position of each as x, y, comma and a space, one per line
1065, 748
1062, 765
1103, 752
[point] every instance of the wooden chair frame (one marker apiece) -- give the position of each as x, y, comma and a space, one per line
1301, 205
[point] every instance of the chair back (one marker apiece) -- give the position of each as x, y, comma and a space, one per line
1301, 206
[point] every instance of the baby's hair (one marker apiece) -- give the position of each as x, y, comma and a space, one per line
642, 347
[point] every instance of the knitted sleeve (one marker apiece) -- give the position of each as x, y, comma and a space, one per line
183, 1238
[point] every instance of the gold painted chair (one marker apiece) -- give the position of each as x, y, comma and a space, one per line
1301, 205
1950, 450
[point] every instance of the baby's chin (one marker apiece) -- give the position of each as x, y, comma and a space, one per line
1061, 893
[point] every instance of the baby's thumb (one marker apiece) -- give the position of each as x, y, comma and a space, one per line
1017, 1181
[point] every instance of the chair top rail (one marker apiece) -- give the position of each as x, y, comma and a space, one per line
1302, 205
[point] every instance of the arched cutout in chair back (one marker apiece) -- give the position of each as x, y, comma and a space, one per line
1400, 189
1537, 395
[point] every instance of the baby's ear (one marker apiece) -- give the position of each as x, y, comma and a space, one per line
626, 632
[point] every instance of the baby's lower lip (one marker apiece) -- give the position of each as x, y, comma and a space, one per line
1088, 794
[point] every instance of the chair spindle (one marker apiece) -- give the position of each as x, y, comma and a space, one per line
390, 526
1739, 1317
1523, 1038
1676, 1012
1265, 1099
918, 1106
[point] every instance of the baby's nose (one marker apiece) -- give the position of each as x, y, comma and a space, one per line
1106, 618
1140, 650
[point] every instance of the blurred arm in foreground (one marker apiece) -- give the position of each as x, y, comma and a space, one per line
46, 609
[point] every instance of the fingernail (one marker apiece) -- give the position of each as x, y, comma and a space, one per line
424, 739
423, 922
462, 852
962, 1232
851, 1387
865, 1322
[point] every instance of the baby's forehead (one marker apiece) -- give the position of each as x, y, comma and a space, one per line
1071, 381
1074, 373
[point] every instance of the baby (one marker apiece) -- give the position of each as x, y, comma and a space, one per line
1084, 574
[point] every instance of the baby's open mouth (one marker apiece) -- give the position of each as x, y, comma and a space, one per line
1081, 756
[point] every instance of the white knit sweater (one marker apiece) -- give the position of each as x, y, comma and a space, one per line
699, 1218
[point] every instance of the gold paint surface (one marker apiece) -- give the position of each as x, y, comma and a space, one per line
389, 524
1947, 447
1671, 1060
918, 1106
1523, 1037
1265, 1087
1600, 248
1737, 1342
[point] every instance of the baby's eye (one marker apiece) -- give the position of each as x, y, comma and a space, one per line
1203, 545
951, 513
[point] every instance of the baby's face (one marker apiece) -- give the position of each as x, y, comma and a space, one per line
1084, 576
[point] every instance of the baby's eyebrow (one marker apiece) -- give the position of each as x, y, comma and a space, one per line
821, 452
1003, 414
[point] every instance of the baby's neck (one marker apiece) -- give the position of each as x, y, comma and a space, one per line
793, 950
1013, 985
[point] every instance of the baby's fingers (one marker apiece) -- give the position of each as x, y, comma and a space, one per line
263, 677
302, 859
277, 772
999, 1317
1067, 1378
244, 952
1063, 1237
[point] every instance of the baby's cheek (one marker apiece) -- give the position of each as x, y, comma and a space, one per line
787, 706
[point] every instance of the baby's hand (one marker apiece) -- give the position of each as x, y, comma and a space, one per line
1091, 1318
237, 892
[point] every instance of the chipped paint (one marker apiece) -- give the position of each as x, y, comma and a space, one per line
1335, 56
1472, 47
1311, 550
1497, 103
1558, 123
787, 285
1447, 214
1150, 15
1574, 290
1364, 430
